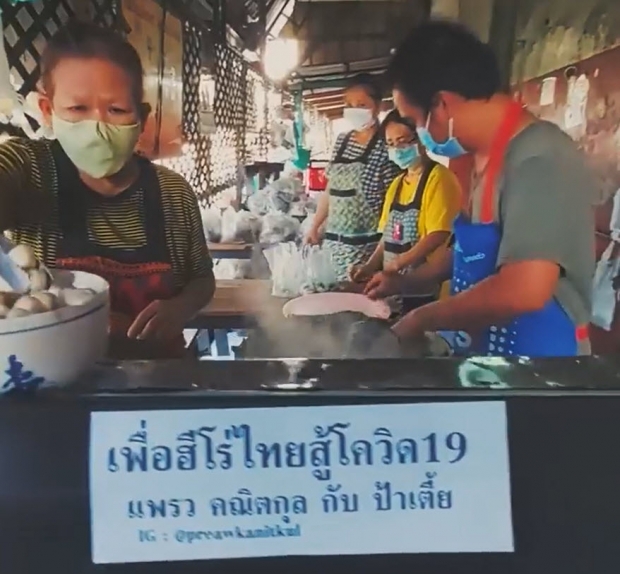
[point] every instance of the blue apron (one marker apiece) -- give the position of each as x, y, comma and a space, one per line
549, 332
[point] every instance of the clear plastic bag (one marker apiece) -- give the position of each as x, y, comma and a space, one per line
299, 270
286, 266
306, 225
320, 272
279, 228
232, 269
240, 226
259, 203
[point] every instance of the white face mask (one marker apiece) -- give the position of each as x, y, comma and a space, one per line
359, 118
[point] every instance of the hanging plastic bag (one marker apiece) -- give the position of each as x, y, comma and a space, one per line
604, 297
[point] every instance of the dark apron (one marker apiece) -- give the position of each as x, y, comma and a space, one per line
401, 233
137, 277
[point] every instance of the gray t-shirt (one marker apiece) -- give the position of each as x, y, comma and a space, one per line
544, 207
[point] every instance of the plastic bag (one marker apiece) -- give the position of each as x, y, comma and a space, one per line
279, 228
232, 269
287, 272
240, 226
306, 225
320, 272
300, 270
212, 224
260, 202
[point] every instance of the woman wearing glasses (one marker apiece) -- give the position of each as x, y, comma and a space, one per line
418, 212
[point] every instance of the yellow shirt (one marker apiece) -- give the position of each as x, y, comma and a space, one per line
441, 203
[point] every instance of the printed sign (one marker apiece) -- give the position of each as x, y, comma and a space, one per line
357, 480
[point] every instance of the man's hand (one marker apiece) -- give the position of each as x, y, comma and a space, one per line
409, 328
384, 285
161, 321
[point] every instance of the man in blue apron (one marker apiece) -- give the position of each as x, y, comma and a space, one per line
523, 256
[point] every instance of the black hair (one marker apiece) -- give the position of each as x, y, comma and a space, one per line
395, 118
87, 40
369, 84
443, 56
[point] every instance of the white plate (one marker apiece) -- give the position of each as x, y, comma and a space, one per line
332, 303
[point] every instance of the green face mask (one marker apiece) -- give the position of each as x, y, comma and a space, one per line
97, 148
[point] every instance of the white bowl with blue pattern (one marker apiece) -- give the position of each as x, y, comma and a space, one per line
57, 347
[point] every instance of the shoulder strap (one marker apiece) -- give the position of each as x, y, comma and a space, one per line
343, 146
399, 189
372, 144
419, 192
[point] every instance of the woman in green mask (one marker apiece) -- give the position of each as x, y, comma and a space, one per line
85, 201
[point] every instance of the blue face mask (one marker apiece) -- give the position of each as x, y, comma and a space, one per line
451, 148
404, 157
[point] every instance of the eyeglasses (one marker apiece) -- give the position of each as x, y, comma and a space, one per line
402, 143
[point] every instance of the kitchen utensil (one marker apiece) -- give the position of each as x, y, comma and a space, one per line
317, 304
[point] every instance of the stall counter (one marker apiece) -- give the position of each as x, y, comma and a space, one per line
563, 419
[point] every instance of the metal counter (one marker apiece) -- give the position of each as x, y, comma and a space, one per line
563, 428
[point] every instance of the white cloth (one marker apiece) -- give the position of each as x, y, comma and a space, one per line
604, 297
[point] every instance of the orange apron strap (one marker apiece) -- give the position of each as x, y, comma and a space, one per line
505, 133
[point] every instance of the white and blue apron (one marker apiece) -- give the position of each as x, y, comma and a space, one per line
351, 235
401, 233
549, 332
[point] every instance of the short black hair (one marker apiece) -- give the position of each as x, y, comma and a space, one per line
369, 83
443, 56
88, 40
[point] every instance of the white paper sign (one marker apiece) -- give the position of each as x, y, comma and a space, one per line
576, 102
547, 91
237, 483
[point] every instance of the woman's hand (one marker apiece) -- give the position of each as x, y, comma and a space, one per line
313, 237
161, 321
392, 267
360, 273
384, 285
